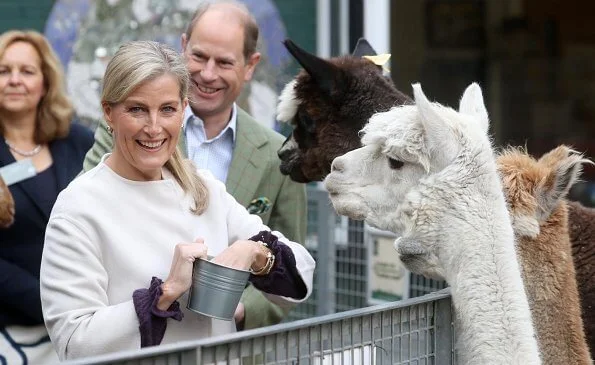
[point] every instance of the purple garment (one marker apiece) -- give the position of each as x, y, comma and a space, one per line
153, 321
284, 278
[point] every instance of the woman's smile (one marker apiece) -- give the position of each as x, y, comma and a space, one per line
151, 145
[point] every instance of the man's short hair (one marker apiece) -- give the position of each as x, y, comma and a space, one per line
248, 21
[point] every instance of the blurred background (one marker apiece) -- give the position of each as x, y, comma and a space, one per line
535, 60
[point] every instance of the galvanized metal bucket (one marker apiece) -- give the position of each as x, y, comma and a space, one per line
216, 289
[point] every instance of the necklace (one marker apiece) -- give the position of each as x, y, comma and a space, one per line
33, 152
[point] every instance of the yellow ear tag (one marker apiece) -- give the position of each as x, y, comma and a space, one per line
380, 60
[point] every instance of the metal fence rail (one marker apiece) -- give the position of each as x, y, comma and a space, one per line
420, 285
414, 331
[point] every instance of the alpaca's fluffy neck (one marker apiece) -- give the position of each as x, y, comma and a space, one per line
546, 263
461, 212
493, 318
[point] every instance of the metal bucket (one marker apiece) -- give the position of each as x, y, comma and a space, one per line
216, 290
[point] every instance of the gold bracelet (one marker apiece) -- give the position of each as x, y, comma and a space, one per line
266, 269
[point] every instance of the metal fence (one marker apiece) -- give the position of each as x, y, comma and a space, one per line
414, 331
339, 247
420, 285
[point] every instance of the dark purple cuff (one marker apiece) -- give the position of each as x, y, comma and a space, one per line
284, 278
153, 321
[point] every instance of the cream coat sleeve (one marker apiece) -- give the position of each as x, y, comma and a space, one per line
79, 318
242, 225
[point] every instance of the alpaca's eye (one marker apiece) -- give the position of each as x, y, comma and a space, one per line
395, 164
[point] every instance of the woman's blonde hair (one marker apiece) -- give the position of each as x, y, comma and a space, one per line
136, 63
55, 111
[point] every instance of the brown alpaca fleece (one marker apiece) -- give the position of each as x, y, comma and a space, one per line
536, 191
582, 235
6, 206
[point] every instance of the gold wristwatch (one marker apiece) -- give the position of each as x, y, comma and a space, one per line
266, 269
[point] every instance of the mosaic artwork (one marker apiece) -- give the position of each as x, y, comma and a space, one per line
86, 33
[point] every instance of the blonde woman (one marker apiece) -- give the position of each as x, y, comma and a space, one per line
36, 128
122, 238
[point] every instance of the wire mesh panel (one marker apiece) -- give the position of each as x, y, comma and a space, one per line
317, 243
420, 285
401, 335
351, 268
339, 247
415, 331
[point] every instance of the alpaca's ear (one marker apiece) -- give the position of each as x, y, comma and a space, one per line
326, 75
553, 158
566, 167
472, 104
363, 48
436, 131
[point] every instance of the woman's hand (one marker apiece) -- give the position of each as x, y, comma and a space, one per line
6, 206
242, 255
180, 273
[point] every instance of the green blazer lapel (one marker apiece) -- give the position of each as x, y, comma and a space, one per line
249, 160
182, 143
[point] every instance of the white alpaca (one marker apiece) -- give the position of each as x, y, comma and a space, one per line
427, 173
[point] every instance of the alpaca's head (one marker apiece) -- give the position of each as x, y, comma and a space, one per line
534, 189
327, 104
6, 206
400, 148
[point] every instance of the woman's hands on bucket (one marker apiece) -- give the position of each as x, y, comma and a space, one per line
241, 255
180, 274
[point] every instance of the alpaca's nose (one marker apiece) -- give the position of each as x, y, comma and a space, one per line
282, 153
338, 165
285, 149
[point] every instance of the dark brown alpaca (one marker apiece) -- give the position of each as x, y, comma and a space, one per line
536, 192
328, 103
6, 206
582, 235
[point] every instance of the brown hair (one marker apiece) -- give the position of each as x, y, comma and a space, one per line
248, 21
140, 61
55, 111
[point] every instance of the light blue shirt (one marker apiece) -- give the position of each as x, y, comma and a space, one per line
210, 154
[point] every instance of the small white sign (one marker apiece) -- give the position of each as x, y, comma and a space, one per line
17, 171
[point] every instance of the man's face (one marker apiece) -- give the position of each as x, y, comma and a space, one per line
215, 59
